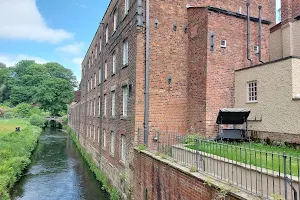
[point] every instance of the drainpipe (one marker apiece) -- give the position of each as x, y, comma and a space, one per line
248, 33
146, 113
259, 33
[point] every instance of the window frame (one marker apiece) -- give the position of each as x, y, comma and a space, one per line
106, 34
252, 91
126, 7
113, 103
105, 105
105, 70
115, 21
125, 52
112, 143
114, 63
125, 100
123, 148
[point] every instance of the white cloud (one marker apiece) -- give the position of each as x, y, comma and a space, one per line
11, 60
77, 61
21, 19
74, 49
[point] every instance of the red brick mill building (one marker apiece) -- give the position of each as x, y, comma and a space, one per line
155, 65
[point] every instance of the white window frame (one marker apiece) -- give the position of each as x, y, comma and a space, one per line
94, 132
113, 103
98, 136
96, 52
112, 143
125, 92
90, 131
99, 104
100, 45
105, 104
88, 108
123, 148
95, 107
114, 61
105, 70
95, 79
91, 83
100, 75
104, 139
126, 7
252, 91
115, 20
125, 52
106, 34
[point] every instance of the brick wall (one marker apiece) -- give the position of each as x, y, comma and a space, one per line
156, 180
289, 10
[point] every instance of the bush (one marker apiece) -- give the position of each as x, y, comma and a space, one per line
37, 120
23, 110
65, 120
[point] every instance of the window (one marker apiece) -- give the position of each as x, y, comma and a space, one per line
100, 75
96, 54
106, 34
105, 102
115, 20
252, 91
91, 108
98, 135
105, 70
88, 108
112, 143
100, 45
99, 108
125, 52
94, 107
95, 79
91, 83
88, 86
123, 148
94, 133
126, 7
90, 131
104, 139
114, 62
113, 102
125, 100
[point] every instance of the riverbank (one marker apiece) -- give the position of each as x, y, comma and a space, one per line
15, 151
114, 194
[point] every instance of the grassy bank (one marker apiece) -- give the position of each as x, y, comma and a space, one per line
15, 151
100, 176
257, 154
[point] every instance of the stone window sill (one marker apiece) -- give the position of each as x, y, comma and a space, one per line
113, 74
124, 117
124, 66
251, 102
113, 117
296, 99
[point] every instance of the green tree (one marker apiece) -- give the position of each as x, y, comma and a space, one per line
54, 94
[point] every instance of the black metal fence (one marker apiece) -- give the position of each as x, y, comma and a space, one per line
262, 170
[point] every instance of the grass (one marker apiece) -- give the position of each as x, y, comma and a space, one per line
256, 154
9, 125
100, 176
15, 152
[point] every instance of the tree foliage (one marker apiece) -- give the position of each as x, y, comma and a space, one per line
49, 85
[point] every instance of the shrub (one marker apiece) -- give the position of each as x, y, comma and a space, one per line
23, 110
37, 120
65, 120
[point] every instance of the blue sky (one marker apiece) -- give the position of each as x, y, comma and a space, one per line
43, 30
49, 30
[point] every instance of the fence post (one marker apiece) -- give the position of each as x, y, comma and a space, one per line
197, 153
285, 175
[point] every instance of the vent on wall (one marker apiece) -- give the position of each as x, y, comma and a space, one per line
256, 49
223, 44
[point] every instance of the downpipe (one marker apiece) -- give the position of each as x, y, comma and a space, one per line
146, 113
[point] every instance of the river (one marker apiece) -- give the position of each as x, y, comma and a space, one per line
57, 172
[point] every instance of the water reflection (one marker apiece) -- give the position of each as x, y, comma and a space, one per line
57, 172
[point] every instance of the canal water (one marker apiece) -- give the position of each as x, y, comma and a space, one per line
57, 172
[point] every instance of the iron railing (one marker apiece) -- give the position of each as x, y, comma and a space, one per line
248, 166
